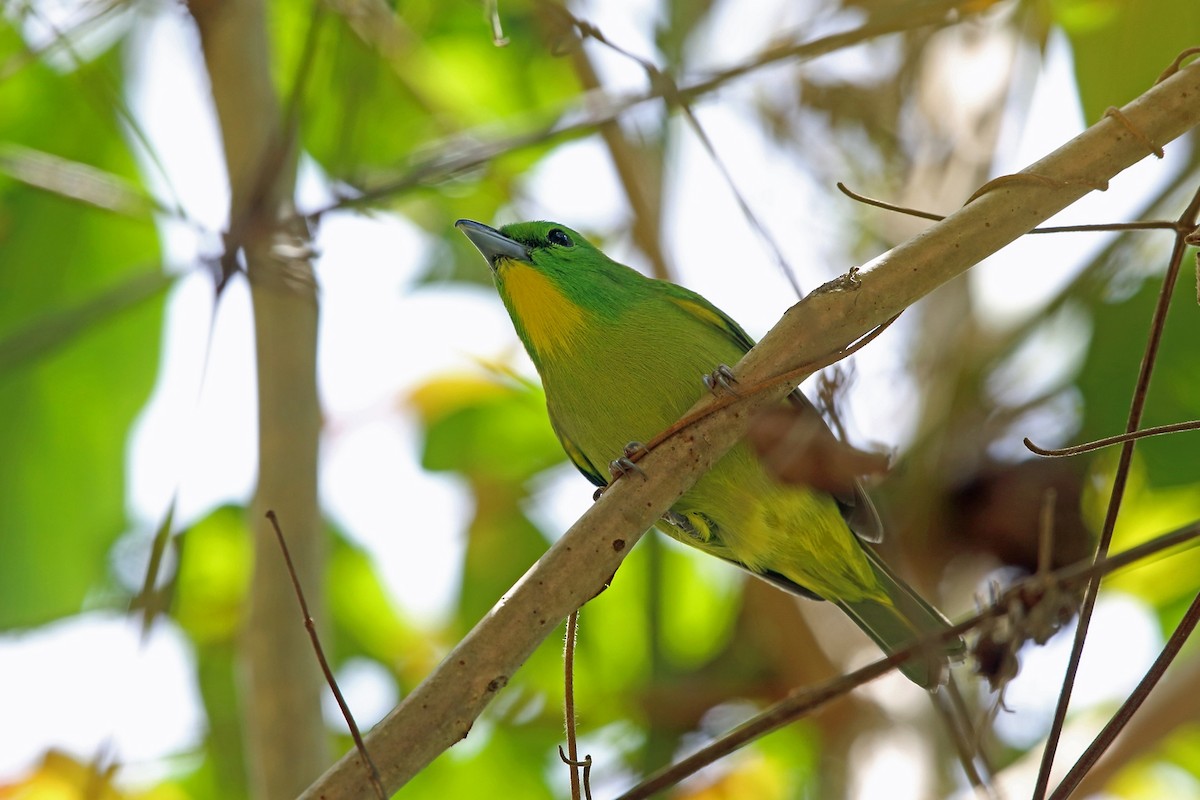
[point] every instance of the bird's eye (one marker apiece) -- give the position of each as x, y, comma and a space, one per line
559, 236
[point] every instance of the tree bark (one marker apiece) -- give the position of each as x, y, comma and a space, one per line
281, 684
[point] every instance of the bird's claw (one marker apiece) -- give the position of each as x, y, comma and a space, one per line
623, 466
635, 450
721, 378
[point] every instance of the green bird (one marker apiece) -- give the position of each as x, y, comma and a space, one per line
620, 356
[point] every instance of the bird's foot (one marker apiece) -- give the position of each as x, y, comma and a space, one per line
721, 378
619, 467
635, 450
627, 462
695, 525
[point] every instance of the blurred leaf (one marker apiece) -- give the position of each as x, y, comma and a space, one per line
1153, 780
484, 428
366, 621
498, 436
66, 415
749, 775
214, 576
509, 765
1110, 370
56, 329
223, 772
1148, 511
700, 604
1183, 748
1121, 47
501, 545
60, 776
385, 82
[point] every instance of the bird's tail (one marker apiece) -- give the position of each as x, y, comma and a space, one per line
899, 624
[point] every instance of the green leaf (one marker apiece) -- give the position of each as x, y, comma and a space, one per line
70, 387
485, 428
1121, 47
1110, 370
214, 576
367, 622
384, 83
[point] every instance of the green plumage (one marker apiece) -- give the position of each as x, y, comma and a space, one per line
621, 357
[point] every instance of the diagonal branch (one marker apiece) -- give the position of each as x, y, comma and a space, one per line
442, 709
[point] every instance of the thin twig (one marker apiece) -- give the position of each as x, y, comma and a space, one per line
952, 711
145, 600
1137, 406
796, 705
1045, 554
111, 93
763, 233
569, 701
373, 775
1115, 725
666, 86
630, 162
806, 700
1087, 447
1144, 225
492, 10
462, 154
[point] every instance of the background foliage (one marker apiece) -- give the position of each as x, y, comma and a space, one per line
409, 114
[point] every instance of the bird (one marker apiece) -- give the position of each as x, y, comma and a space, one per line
621, 356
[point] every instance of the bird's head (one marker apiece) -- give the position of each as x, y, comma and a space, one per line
556, 285
547, 246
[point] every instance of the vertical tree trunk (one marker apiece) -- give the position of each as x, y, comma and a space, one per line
281, 688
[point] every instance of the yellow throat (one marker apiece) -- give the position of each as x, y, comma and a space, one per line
551, 320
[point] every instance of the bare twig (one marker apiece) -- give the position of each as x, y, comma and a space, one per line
311, 627
492, 9
802, 702
952, 711
1114, 727
463, 153
572, 758
640, 175
1145, 225
586, 765
1098, 444
797, 705
1157, 325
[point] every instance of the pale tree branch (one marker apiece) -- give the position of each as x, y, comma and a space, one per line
281, 686
441, 710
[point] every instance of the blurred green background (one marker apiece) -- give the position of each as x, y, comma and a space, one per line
112, 206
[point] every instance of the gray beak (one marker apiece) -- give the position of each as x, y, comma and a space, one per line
492, 243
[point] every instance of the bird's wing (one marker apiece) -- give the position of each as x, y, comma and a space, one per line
581, 462
696, 306
857, 507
